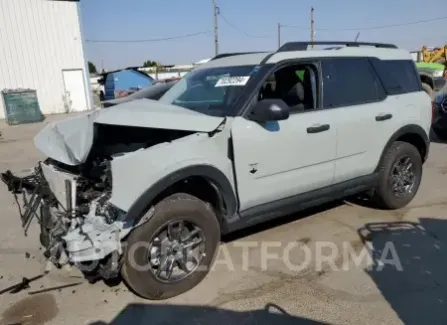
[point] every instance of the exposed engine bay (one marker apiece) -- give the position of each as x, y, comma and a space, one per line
78, 224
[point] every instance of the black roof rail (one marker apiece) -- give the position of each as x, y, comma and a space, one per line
303, 46
224, 55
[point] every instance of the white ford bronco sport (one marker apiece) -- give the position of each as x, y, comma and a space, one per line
146, 188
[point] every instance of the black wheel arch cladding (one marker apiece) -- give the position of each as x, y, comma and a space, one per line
214, 176
410, 133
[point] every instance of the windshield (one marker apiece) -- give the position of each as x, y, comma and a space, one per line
210, 91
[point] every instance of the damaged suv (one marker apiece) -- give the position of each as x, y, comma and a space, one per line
145, 189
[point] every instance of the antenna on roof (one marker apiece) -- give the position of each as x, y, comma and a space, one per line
357, 37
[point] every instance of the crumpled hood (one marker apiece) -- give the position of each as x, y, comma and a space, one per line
69, 141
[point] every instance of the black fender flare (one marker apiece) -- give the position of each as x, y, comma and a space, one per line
216, 177
405, 130
423, 74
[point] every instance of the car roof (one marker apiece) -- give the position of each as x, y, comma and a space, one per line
380, 53
300, 50
235, 60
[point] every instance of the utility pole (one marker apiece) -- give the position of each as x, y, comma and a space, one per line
279, 35
312, 31
216, 28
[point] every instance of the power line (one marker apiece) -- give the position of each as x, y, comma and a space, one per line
148, 40
370, 28
238, 29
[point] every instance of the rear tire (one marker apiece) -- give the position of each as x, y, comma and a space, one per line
175, 209
386, 194
428, 90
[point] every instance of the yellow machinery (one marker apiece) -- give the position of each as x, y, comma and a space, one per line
436, 55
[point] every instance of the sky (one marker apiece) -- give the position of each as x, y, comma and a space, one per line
246, 25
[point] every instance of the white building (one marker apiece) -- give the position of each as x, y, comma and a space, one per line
41, 48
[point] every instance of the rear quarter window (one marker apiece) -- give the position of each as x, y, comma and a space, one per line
397, 76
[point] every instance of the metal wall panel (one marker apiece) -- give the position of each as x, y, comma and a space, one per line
39, 39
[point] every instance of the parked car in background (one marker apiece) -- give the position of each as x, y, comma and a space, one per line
121, 83
439, 124
154, 92
432, 77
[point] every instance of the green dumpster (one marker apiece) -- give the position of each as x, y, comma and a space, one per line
21, 106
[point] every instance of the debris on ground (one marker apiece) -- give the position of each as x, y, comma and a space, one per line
24, 284
58, 288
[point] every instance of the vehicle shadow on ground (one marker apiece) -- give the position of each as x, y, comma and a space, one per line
139, 314
410, 267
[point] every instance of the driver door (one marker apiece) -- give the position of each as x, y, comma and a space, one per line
277, 160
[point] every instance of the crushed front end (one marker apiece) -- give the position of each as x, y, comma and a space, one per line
83, 214
78, 225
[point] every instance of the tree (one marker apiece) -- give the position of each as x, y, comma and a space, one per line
154, 64
149, 64
91, 67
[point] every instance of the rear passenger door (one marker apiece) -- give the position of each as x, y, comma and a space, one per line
365, 120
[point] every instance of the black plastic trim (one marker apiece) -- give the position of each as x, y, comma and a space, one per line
303, 46
264, 61
381, 118
318, 129
283, 207
212, 174
407, 129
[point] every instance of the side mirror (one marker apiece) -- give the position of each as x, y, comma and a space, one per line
270, 110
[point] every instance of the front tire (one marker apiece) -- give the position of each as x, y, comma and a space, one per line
157, 249
399, 177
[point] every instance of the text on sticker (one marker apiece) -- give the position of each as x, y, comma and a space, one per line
232, 81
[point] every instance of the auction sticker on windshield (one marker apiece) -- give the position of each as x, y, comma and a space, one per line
232, 81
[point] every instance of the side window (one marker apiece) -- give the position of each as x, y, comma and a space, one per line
397, 76
296, 85
349, 81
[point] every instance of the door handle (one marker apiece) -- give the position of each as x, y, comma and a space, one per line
318, 128
383, 117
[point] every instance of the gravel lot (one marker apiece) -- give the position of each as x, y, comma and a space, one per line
248, 288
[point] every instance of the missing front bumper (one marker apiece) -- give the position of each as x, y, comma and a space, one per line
69, 235
32, 188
